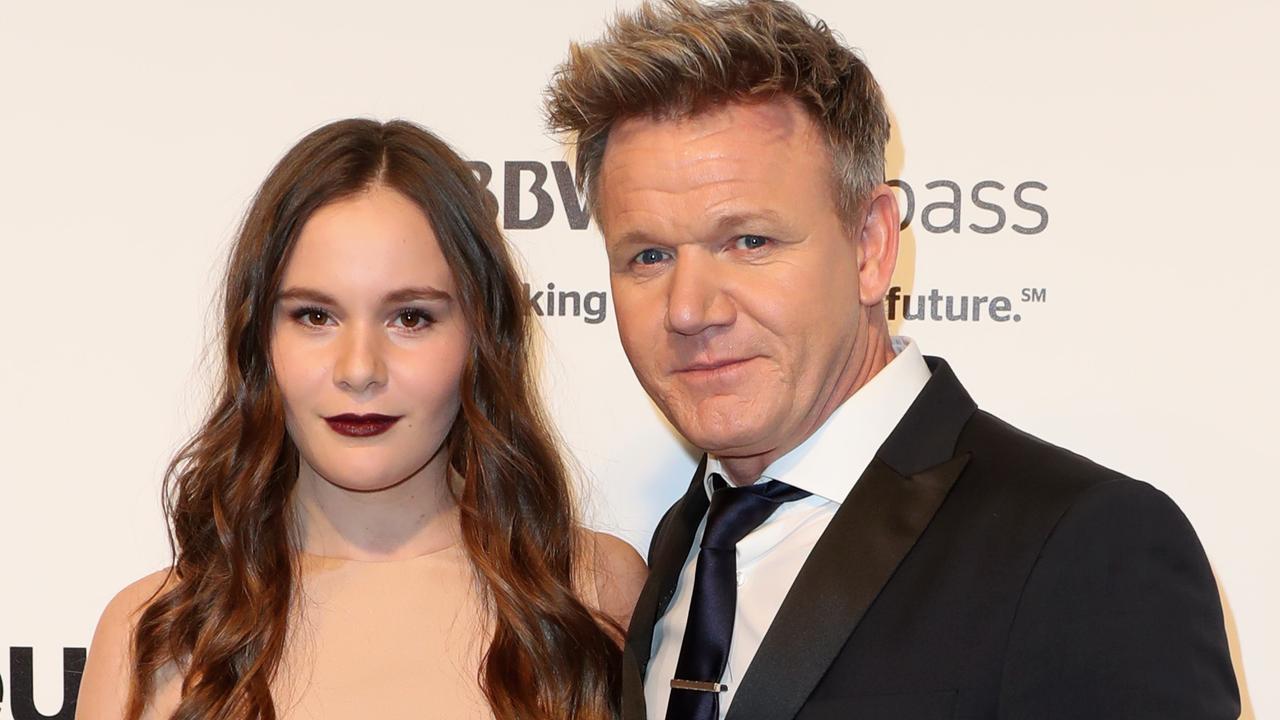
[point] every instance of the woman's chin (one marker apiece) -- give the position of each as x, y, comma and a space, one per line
363, 479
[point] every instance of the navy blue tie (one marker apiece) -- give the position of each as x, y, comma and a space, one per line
733, 514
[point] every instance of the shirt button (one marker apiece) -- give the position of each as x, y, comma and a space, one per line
740, 578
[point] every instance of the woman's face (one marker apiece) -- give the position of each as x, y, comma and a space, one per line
368, 342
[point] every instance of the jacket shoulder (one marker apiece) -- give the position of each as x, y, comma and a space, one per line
1121, 576
1017, 461
1108, 567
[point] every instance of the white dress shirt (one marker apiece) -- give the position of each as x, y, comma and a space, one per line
827, 464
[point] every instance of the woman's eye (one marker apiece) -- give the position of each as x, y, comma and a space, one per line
311, 317
651, 256
413, 319
752, 242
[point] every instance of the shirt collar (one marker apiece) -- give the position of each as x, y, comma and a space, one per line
830, 460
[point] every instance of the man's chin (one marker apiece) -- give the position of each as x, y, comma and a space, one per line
718, 423
728, 442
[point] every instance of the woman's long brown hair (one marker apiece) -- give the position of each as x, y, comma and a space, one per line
221, 618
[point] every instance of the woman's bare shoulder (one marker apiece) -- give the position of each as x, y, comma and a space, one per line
104, 688
618, 573
138, 594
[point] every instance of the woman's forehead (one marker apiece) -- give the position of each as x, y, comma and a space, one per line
368, 242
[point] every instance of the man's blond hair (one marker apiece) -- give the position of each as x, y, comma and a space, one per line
675, 58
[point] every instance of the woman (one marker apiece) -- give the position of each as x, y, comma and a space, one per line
373, 521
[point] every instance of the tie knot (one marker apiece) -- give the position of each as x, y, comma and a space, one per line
736, 511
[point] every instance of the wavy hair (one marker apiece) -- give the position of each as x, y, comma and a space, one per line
221, 618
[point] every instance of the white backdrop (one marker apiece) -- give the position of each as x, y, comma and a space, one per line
1138, 254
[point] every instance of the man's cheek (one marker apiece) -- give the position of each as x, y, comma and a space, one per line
636, 341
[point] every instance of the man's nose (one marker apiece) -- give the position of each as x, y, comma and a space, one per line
360, 364
696, 297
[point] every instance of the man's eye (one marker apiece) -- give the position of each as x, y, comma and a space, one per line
650, 256
751, 242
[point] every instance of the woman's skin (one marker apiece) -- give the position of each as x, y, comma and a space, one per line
366, 323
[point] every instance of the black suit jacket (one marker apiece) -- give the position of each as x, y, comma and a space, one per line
975, 571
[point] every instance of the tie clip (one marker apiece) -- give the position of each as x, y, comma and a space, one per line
699, 685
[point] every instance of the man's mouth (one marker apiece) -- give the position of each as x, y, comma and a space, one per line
708, 369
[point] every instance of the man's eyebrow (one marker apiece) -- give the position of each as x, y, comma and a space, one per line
420, 292
635, 237
735, 220
729, 222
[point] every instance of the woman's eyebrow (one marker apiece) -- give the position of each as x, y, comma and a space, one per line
422, 292
306, 294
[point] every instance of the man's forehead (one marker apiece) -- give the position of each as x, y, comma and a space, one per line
735, 142
780, 119
742, 160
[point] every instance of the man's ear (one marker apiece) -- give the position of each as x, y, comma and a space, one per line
877, 244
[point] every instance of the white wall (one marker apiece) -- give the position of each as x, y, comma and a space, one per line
133, 134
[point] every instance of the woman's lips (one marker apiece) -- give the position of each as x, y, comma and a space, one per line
361, 425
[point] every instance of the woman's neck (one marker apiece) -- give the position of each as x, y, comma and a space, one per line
411, 518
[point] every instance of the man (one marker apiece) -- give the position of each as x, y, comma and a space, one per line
860, 540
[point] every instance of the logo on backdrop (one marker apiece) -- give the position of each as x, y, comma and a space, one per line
591, 306
20, 697
534, 192
946, 212
938, 307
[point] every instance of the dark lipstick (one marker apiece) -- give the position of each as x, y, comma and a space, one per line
361, 425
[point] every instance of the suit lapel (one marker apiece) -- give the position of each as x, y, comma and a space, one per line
868, 537
889, 507
633, 706
671, 542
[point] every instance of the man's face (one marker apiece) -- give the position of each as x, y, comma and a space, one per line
735, 282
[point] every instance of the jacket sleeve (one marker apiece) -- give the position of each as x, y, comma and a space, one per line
1120, 618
